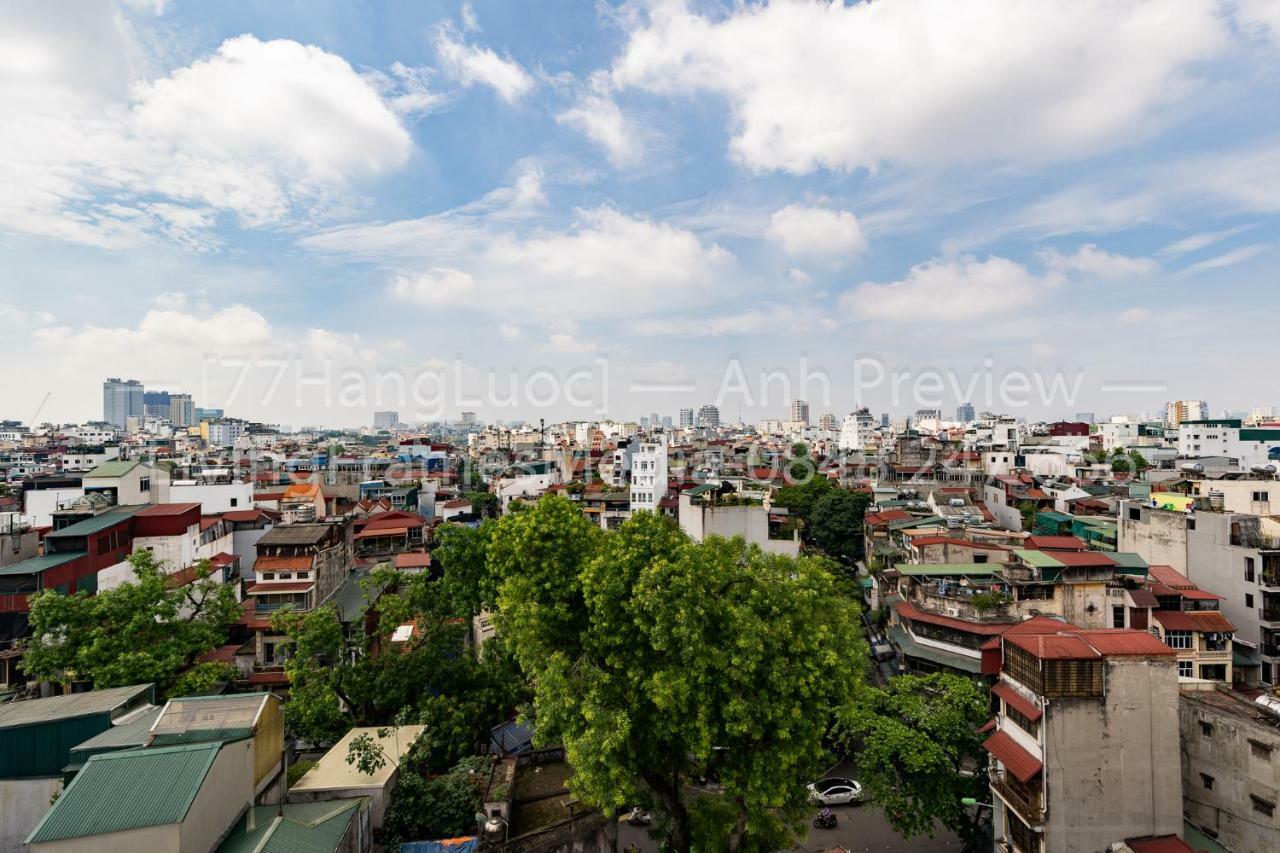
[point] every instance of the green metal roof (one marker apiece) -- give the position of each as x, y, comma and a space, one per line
1260, 435
98, 523
303, 828
946, 569
114, 468
125, 736
1039, 559
118, 791
927, 521
70, 706
911, 648
1129, 563
36, 565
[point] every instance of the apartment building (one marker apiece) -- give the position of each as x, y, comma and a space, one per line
648, 475
1231, 767
1082, 747
1248, 447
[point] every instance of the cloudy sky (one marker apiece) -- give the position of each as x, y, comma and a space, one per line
306, 211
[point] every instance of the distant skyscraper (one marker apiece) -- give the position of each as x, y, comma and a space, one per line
686, 418
155, 404
884, 419
122, 400
385, 420
1086, 418
666, 421
468, 419
209, 414
827, 421
965, 413
800, 411
1185, 410
655, 422
708, 416
182, 412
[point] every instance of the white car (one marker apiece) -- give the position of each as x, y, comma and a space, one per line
835, 792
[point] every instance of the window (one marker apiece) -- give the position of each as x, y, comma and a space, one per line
1135, 513
1263, 807
1248, 599
1177, 639
1206, 729
1260, 749
1186, 669
144, 484
268, 576
1117, 616
1191, 524
235, 501
1261, 497
1207, 781
1031, 727
1248, 569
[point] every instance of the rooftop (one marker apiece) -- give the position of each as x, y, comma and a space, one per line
36, 565
293, 828
114, 468
98, 523
333, 773
295, 534
131, 789
73, 705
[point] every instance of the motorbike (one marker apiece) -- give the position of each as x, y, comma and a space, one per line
638, 817
826, 819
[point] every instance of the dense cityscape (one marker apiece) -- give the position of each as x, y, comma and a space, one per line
639, 426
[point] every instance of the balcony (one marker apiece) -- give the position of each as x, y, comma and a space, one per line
959, 603
1025, 799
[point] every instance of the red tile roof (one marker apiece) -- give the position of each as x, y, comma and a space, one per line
887, 516
907, 610
413, 560
1016, 700
1205, 621
1170, 577
269, 678
1019, 763
1159, 844
1054, 543
222, 558
1083, 559
281, 564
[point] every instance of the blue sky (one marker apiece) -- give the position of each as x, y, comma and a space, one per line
306, 211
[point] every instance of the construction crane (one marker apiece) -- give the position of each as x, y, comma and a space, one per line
40, 408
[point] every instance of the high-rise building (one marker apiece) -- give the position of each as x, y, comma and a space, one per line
1178, 411
666, 421
155, 404
800, 411
385, 420
209, 414
182, 412
827, 421
857, 430
965, 413
655, 422
686, 418
884, 419
1086, 418
708, 416
121, 400
468, 419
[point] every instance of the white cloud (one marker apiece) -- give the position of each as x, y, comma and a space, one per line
510, 331
266, 131
436, 286
957, 290
1226, 259
567, 343
1259, 16
769, 319
805, 230
470, 22
470, 64
597, 116
1203, 240
1096, 263
830, 85
1134, 316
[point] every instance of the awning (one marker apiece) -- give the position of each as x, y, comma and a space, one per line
1016, 700
386, 531
1019, 763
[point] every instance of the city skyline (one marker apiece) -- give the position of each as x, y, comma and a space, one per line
511, 190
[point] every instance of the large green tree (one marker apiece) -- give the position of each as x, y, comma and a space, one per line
835, 524
145, 630
665, 661
921, 753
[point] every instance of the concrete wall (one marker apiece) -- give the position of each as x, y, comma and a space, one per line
1225, 755
1213, 563
1112, 770
1158, 536
214, 497
22, 803
226, 793
151, 838
1006, 515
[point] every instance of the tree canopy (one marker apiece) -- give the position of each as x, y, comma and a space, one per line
835, 524
145, 630
658, 661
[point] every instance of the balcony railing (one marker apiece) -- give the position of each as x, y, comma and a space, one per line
1024, 799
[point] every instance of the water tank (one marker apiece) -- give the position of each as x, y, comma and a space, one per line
1269, 704
956, 502
1192, 468
1217, 500
1263, 469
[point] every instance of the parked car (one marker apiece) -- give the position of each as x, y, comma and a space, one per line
835, 791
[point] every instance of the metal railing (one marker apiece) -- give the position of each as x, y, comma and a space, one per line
1025, 800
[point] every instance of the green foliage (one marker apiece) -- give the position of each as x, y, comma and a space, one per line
297, 770
917, 735
989, 600
426, 806
201, 679
140, 631
467, 581
801, 498
799, 450
681, 657
835, 524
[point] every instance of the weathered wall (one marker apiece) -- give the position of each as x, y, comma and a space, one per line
22, 803
1111, 769
1159, 536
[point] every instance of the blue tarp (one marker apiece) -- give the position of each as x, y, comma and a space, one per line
448, 845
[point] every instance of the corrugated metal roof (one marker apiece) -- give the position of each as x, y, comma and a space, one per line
1021, 764
1194, 620
136, 788
1016, 700
912, 570
36, 565
202, 719
295, 534
70, 706
98, 523
114, 468
303, 828
124, 736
